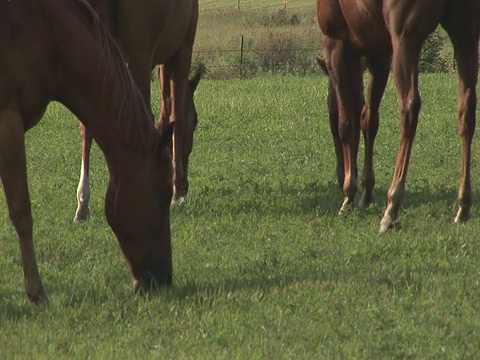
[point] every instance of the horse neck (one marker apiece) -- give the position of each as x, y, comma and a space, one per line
97, 87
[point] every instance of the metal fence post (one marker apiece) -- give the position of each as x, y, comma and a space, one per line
241, 56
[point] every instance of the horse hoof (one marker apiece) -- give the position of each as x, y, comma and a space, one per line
39, 299
347, 206
137, 286
366, 202
182, 200
386, 224
462, 217
81, 215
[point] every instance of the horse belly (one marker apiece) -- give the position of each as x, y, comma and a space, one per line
27, 74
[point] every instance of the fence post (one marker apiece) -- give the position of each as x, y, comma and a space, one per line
241, 56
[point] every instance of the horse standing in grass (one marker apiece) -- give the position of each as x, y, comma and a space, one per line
59, 50
389, 34
151, 33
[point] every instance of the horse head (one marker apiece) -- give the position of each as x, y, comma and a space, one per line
137, 208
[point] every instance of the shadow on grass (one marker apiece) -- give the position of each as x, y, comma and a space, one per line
255, 277
15, 306
313, 198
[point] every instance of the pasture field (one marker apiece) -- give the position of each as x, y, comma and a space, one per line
261, 38
264, 268
272, 40
216, 4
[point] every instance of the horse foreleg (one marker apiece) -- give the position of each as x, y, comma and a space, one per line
166, 99
467, 64
180, 177
172, 111
83, 189
13, 172
405, 72
379, 71
177, 69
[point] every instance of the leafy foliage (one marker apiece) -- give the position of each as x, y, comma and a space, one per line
432, 58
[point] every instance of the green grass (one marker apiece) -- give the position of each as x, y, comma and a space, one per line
263, 266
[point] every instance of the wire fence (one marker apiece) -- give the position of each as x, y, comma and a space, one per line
242, 62
279, 41
239, 5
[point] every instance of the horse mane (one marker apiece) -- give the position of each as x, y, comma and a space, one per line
131, 113
114, 17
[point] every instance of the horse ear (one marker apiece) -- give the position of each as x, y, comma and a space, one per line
193, 83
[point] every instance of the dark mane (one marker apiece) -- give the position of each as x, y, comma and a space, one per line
114, 16
131, 112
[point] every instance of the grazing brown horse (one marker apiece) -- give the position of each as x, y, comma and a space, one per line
151, 33
59, 50
390, 34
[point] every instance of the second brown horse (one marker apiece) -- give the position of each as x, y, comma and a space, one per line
389, 34
151, 33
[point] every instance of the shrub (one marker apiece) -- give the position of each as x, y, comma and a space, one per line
280, 18
431, 59
277, 52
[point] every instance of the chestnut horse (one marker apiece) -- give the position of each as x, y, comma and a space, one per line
59, 50
151, 33
389, 34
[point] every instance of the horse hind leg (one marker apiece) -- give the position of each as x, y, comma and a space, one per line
405, 71
13, 172
379, 71
466, 56
83, 189
333, 120
344, 68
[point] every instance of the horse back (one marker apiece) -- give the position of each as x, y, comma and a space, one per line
155, 27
